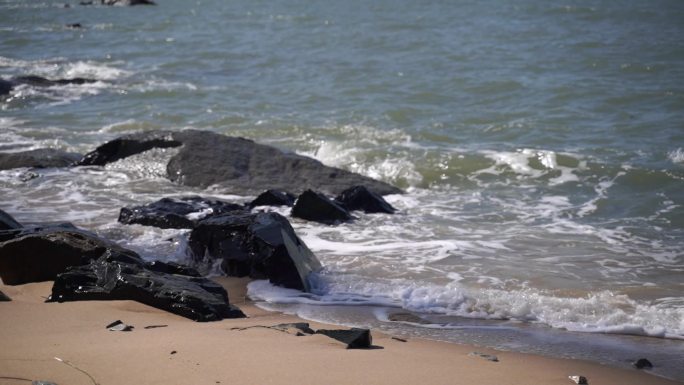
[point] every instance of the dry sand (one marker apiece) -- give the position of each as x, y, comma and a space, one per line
32, 333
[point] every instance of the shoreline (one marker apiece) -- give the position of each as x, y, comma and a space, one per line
33, 333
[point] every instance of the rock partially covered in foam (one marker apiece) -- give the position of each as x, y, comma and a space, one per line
7, 222
39, 254
176, 213
239, 166
39, 158
110, 279
262, 246
361, 198
315, 206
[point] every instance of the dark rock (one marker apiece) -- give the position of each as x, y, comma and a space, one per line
155, 326
176, 213
238, 165
314, 206
643, 363
74, 26
262, 245
172, 268
407, 317
4, 297
6, 235
7, 222
360, 198
579, 380
40, 158
302, 328
127, 2
354, 338
28, 175
488, 357
41, 255
39, 81
273, 198
196, 298
86, 3
128, 145
119, 326
6, 87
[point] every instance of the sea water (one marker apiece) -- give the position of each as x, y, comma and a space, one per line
540, 145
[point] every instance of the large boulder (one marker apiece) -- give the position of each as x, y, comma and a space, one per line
196, 298
176, 213
262, 246
238, 165
39, 158
39, 255
315, 206
5, 87
7, 222
39, 81
360, 198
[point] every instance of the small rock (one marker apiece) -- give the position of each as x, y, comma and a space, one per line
7, 222
4, 297
361, 198
302, 328
399, 339
488, 357
41, 382
355, 338
273, 198
74, 26
314, 206
643, 363
173, 352
176, 213
28, 175
118, 326
407, 317
155, 326
579, 380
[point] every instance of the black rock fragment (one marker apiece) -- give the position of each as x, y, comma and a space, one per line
354, 338
273, 198
361, 198
196, 298
488, 357
314, 206
4, 297
643, 363
176, 213
41, 255
119, 326
7, 222
262, 245
39, 158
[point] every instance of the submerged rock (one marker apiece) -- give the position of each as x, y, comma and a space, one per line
7, 222
176, 213
6, 87
314, 206
196, 298
360, 198
643, 363
39, 158
262, 245
128, 2
354, 338
39, 81
41, 254
273, 198
238, 165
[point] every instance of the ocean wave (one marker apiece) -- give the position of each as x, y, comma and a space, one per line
602, 311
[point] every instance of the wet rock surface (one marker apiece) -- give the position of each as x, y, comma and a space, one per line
262, 246
315, 206
361, 198
7, 222
39, 158
354, 338
642, 363
238, 165
177, 213
196, 298
39, 254
273, 198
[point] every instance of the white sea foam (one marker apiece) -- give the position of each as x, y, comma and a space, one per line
520, 163
597, 312
676, 156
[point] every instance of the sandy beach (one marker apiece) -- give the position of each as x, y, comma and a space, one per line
180, 351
